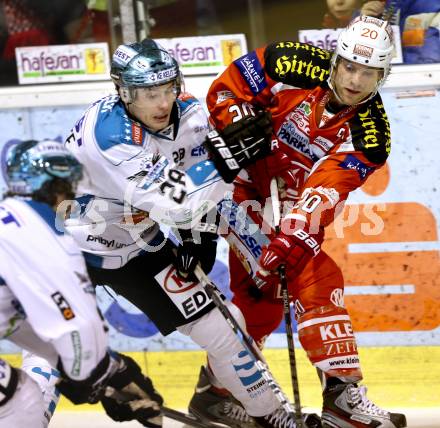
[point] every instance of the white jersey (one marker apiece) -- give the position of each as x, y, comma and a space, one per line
136, 179
47, 303
44, 272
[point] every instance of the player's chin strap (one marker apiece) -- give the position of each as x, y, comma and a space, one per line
286, 307
245, 340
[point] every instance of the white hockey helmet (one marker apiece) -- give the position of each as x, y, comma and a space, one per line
367, 41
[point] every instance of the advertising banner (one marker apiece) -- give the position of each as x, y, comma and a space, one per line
62, 63
205, 54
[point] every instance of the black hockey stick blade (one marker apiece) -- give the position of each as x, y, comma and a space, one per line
189, 419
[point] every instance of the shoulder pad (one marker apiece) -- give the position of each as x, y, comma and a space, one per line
297, 64
370, 131
187, 102
187, 97
113, 127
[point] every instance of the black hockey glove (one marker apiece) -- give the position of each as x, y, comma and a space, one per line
117, 376
240, 144
197, 247
89, 390
131, 396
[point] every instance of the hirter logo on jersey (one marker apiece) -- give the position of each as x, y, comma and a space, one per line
137, 134
63, 306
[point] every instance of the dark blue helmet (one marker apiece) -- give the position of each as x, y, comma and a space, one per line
144, 64
31, 164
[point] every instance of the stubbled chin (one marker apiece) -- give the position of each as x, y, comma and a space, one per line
351, 98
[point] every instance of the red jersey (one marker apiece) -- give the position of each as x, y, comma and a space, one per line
332, 153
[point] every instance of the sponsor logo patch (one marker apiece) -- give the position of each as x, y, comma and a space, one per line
124, 54
352, 162
137, 134
288, 134
77, 349
152, 171
243, 226
63, 306
324, 143
362, 50
189, 297
249, 375
371, 20
252, 72
198, 151
223, 96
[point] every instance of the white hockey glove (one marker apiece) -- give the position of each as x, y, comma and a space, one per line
240, 144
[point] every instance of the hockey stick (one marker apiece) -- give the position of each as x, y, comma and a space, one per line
189, 419
213, 293
286, 308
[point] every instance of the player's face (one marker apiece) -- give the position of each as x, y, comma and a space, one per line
342, 8
353, 82
152, 106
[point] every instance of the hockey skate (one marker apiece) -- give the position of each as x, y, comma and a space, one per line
209, 406
281, 419
347, 406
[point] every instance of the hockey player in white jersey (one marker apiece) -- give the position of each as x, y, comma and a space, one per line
144, 166
47, 302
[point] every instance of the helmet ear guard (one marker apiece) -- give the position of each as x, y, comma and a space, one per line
125, 95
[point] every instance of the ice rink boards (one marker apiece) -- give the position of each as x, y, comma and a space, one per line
404, 378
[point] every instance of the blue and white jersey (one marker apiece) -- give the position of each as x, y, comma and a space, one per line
37, 262
136, 179
47, 302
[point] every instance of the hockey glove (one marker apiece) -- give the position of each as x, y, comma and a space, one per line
131, 396
197, 247
240, 144
89, 390
294, 246
277, 164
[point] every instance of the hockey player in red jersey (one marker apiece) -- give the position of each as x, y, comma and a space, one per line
330, 133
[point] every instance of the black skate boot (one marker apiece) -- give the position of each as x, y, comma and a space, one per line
281, 419
209, 406
347, 406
